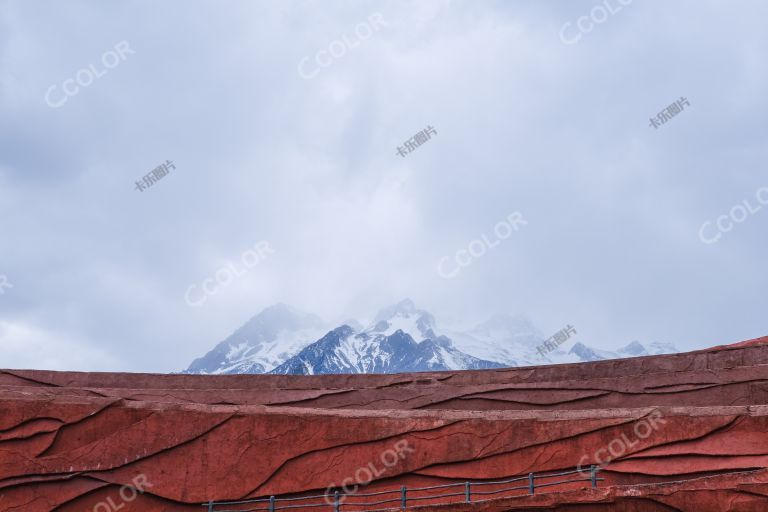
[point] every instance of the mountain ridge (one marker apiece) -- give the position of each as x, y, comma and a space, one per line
401, 338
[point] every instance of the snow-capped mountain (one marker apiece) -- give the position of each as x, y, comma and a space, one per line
514, 341
345, 351
511, 340
580, 352
404, 316
264, 342
656, 348
401, 338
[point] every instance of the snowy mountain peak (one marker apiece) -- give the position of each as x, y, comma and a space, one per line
512, 326
402, 338
344, 351
354, 324
267, 339
581, 352
509, 339
343, 331
404, 316
405, 307
584, 352
657, 348
282, 316
634, 349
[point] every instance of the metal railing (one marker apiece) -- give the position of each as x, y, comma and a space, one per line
405, 494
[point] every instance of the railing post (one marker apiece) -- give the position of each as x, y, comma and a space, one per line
593, 479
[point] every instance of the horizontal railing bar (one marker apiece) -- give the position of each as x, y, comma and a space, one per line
563, 482
557, 474
441, 486
301, 498
242, 510
368, 494
276, 500
436, 497
242, 502
371, 503
390, 509
440, 496
501, 490
306, 506
500, 481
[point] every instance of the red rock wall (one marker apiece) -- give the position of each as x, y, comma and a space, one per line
69, 441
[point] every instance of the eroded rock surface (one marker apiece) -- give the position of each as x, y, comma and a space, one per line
675, 432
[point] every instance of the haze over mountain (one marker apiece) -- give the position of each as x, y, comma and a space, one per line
265, 341
401, 338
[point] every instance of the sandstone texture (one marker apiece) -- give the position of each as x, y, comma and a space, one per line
682, 432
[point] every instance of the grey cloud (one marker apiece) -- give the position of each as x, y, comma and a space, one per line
525, 123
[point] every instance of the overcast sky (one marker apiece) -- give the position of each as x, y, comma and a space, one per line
535, 112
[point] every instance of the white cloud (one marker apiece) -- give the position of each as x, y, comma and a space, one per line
525, 123
26, 346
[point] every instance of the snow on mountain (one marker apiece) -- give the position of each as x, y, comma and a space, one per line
401, 338
580, 352
514, 341
511, 340
264, 342
345, 351
634, 349
404, 316
657, 348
